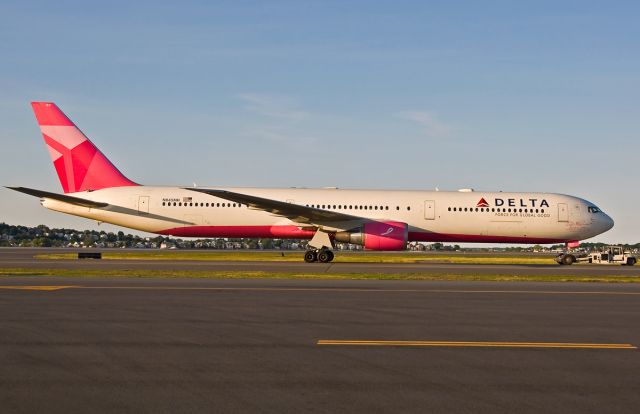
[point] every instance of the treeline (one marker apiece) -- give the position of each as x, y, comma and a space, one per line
598, 246
43, 236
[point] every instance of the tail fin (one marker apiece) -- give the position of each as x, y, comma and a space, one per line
80, 164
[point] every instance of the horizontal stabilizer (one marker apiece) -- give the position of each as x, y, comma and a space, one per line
60, 197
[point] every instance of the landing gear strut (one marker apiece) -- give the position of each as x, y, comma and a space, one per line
319, 246
322, 256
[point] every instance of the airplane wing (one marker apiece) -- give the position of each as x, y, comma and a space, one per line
294, 212
83, 202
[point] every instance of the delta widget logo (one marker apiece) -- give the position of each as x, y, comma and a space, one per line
482, 203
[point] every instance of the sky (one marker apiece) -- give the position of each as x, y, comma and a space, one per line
492, 95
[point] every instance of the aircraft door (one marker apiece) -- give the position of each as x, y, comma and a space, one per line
430, 210
143, 204
563, 212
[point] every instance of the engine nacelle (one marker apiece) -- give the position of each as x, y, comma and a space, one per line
378, 235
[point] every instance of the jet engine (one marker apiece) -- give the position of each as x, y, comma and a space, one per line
377, 235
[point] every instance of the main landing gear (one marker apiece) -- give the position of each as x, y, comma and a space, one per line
319, 248
322, 256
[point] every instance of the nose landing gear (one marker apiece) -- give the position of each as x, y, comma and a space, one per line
322, 256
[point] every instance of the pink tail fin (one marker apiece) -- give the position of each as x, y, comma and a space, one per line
80, 164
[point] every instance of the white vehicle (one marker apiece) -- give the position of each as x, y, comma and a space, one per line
376, 219
608, 255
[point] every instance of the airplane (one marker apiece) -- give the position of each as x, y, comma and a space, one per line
384, 220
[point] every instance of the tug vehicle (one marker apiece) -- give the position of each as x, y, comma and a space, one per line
608, 255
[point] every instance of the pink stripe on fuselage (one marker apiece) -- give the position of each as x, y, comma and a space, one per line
475, 238
293, 232
280, 232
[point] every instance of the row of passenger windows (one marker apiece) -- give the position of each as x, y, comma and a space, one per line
497, 210
320, 206
351, 207
178, 204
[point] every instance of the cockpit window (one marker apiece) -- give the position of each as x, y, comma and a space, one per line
593, 209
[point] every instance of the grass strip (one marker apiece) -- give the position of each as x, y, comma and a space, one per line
203, 274
348, 257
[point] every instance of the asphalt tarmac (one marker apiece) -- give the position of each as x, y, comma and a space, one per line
23, 257
275, 346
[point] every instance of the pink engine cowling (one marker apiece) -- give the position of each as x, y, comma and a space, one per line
387, 235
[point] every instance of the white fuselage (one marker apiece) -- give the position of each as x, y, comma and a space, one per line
469, 216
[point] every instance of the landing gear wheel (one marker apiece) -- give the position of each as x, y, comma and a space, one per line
325, 256
568, 259
310, 256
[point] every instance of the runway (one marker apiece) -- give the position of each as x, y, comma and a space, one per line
23, 258
238, 346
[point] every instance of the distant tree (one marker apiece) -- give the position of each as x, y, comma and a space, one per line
87, 240
266, 243
41, 242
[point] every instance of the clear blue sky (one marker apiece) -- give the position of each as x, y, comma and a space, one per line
494, 95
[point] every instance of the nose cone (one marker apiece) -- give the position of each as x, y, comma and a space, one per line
606, 222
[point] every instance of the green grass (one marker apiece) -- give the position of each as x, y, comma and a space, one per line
137, 273
296, 256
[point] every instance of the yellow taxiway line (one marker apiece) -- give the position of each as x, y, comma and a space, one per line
43, 288
569, 345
